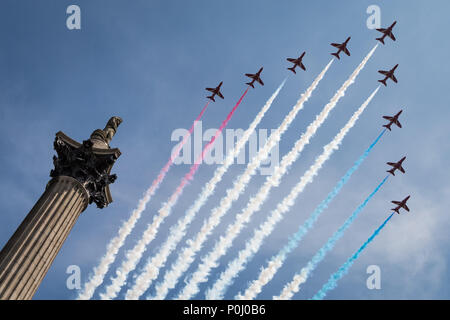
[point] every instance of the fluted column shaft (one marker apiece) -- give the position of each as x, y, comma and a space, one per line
81, 176
27, 256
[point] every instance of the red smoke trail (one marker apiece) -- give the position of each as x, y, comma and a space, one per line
176, 152
118, 241
135, 254
194, 167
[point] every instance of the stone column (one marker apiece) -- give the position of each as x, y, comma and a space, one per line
81, 176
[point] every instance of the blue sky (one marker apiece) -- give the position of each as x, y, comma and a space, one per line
149, 61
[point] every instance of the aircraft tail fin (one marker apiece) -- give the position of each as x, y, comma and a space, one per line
381, 40
387, 126
250, 84
336, 55
383, 82
391, 172
211, 98
292, 69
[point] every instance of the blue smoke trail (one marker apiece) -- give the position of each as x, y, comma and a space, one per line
294, 285
332, 282
267, 273
297, 237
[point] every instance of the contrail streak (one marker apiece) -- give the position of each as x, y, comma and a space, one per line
294, 286
186, 257
134, 255
252, 246
118, 241
151, 269
332, 282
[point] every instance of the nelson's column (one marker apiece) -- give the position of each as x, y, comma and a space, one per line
81, 176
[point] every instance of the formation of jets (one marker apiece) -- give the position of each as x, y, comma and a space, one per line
392, 120
342, 47
396, 165
390, 73
255, 77
297, 62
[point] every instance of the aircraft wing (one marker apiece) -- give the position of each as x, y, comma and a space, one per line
394, 79
396, 202
391, 164
346, 51
260, 81
383, 72
250, 75
210, 89
391, 35
337, 45
381, 30
388, 118
401, 169
220, 94
291, 60
405, 207
398, 123
302, 66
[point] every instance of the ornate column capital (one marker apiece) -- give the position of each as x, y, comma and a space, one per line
88, 164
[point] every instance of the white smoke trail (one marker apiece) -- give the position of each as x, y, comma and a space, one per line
266, 274
186, 257
284, 206
294, 286
125, 230
211, 260
134, 255
151, 269
217, 291
112, 249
